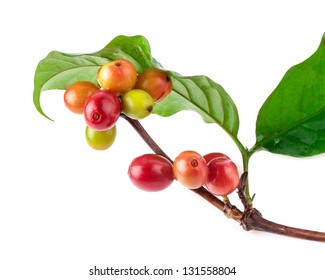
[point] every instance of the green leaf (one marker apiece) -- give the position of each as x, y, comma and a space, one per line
198, 93
292, 119
204, 96
135, 49
59, 70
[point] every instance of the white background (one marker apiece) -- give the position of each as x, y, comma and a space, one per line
65, 208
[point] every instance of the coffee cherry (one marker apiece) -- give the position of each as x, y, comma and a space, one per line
156, 82
137, 104
76, 95
102, 110
223, 177
190, 169
151, 172
118, 75
100, 140
211, 156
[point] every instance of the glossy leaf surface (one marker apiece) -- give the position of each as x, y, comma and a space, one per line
197, 93
204, 96
59, 70
292, 119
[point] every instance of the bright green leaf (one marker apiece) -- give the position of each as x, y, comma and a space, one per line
59, 70
204, 96
292, 119
135, 49
198, 93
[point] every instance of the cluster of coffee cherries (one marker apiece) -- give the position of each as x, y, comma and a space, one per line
215, 171
120, 89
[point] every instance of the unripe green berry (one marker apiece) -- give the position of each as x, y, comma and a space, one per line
100, 140
137, 104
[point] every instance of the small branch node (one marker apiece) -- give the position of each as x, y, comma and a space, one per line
241, 190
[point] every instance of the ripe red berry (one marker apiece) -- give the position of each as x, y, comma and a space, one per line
156, 82
102, 110
211, 156
118, 75
190, 168
76, 95
223, 177
151, 172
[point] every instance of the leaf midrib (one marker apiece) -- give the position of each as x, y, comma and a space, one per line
202, 109
259, 145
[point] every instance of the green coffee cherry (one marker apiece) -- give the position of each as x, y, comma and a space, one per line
100, 140
137, 104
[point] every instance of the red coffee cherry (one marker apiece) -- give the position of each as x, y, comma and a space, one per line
223, 177
190, 169
156, 82
102, 110
151, 172
76, 95
118, 75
